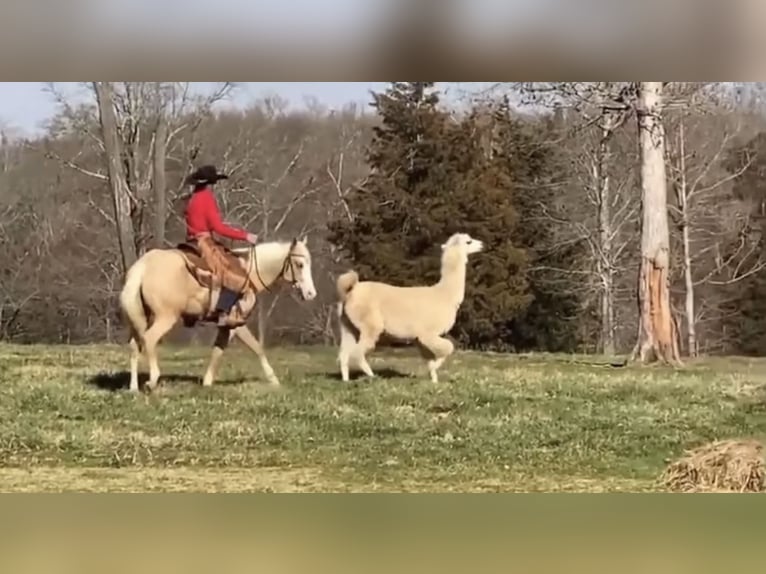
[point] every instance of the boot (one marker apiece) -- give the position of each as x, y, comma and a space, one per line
232, 319
228, 311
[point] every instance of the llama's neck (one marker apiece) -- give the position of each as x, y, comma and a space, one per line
452, 281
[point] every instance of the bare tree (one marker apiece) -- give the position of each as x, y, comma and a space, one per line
121, 195
708, 217
602, 109
289, 173
59, 283
137, 127
159, 182
657, 332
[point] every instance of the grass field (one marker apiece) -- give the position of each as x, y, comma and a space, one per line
494, 423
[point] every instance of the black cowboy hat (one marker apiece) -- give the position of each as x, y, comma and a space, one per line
206, 174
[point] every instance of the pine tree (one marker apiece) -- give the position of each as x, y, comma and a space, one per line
748, 313
387, 235
552, 319
482, 204
431, 177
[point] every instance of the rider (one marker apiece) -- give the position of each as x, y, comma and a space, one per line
203, 218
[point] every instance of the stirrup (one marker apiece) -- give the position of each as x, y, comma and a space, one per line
227, 320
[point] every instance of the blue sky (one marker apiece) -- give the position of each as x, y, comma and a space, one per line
26, 105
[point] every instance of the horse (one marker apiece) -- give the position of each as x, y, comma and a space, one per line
164, 286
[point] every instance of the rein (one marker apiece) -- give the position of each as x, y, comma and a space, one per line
288, 262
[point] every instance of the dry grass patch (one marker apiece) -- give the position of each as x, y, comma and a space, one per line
721, 466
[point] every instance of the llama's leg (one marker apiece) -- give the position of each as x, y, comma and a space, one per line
135, 355
435, 350
222, 339
347, 344
349, 352
368, 338
362, 363
159, 329
246, 336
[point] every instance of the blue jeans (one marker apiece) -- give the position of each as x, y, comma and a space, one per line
227, 300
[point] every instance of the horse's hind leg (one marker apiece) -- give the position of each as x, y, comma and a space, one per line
135, 355
246, 336
162, 324
222, 339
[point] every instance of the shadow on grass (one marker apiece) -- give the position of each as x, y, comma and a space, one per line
114, 382
541, 359
383, 373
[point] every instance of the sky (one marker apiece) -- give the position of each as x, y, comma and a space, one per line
25, 106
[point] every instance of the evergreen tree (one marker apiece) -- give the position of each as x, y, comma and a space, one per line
431, 177
551, 321
748, 314
387, 234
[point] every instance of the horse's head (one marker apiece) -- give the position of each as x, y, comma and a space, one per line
297, 269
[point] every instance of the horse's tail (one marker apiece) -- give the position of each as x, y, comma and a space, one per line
345, 283
132, 302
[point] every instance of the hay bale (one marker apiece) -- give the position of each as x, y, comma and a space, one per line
721, 466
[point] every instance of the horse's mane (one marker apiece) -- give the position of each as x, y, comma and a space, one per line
268, 246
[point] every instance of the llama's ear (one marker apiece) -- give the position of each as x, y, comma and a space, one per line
444, 246
305, 240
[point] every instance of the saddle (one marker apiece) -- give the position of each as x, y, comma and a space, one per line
201, 272
193, 256
206, 278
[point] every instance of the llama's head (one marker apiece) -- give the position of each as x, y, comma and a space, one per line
464, 243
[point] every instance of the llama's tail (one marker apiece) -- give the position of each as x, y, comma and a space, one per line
345, 284
131, 302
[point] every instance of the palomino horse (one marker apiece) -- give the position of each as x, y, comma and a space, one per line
160, 289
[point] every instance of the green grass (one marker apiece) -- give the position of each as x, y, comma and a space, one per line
494, 423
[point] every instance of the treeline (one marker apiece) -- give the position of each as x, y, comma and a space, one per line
546, 174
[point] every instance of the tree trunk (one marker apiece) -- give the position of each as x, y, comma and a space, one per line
116, 170
159, 181
683, 200
657, 335
605, 261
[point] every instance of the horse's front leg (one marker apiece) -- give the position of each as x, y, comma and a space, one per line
222, 339
246, 336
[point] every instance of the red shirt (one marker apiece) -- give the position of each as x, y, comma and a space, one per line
203, 215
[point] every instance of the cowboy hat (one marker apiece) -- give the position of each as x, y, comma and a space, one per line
206, 174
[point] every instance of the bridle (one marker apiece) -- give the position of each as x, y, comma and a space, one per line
286, 264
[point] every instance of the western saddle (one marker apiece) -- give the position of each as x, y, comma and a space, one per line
204, 276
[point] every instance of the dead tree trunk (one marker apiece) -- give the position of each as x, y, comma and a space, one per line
683, 200
605, 263
159, 182
116, 170
657, 333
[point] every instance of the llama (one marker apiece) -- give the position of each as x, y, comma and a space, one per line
422, 314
